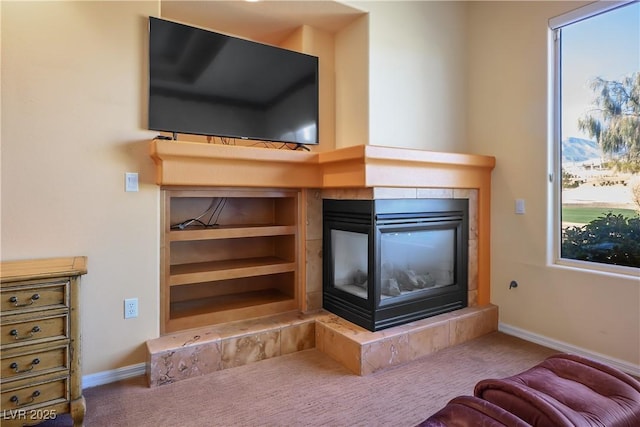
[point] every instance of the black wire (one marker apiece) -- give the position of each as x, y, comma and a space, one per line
187, 222
181, 225
223, 202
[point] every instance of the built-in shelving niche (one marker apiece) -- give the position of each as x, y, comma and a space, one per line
228, 255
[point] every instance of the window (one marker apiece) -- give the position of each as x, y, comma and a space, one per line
597, 136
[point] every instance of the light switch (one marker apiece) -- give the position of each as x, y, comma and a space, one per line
520, 206
131, 181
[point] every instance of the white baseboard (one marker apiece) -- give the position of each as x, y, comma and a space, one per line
113, 375
622, 365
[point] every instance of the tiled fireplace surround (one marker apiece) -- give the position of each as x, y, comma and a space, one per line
205, 350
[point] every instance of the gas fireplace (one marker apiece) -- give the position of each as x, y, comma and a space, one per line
392, 261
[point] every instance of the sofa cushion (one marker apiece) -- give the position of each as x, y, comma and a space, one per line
469, 411
567, 390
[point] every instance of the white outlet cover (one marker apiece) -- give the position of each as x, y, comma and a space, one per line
130, 308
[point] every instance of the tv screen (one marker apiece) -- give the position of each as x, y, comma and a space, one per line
205, 83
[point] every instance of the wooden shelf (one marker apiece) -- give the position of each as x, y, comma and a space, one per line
231, 232
227, 302
229, 269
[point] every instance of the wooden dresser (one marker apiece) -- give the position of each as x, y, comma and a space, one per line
40, 346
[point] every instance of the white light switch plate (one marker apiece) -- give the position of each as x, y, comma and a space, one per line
520, 206
131, 181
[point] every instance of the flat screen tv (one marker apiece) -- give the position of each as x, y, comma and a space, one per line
206, 83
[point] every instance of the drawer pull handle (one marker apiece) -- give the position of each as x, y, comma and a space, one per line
17, 370
16, 400
16, 335
14, 300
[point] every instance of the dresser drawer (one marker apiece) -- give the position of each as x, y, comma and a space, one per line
34, 296
19, 330
35, 395
27, 363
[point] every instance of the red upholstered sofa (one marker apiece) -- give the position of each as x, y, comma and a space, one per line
563, 391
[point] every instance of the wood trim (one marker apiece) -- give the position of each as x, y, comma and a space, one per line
215, 165
11, 271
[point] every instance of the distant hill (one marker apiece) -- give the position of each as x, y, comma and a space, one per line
580, 150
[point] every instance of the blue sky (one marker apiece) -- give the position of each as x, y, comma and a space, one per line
606, 46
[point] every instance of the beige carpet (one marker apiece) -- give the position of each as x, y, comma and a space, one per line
309, 389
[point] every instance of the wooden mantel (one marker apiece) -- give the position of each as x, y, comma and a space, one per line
362, 166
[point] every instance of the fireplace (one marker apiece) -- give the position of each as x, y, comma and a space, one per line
392, 261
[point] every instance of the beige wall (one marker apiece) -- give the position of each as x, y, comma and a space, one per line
319, 43
73, 98
352, 84
73, 102
417, 69
508, 118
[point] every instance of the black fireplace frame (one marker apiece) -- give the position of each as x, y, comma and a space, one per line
375, 217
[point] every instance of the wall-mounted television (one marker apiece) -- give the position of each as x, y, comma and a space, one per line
206, 83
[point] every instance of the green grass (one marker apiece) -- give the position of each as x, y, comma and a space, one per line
584, 215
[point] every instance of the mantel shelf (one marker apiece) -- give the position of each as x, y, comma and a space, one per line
362, 166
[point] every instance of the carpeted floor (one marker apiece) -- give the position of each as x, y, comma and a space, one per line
309, 389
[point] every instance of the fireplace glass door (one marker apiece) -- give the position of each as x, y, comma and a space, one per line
416, 260
350, 262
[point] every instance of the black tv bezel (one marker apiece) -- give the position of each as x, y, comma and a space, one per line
183, 131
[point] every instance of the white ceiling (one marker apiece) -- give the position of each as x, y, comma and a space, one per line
265, 21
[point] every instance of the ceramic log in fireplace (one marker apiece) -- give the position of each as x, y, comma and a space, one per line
390, 262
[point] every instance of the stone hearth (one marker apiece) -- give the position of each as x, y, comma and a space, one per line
203, 351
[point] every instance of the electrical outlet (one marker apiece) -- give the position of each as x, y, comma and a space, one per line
130, 308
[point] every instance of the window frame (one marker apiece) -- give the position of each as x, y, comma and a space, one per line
555, 137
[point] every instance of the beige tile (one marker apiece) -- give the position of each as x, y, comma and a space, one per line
314, 265
348, 193
187, 362
475, 322
473, 215
385, 353
250, 348
182, 339
340, 348
471, 194
472, 266
297, 338
394, 193
466, 193
319, 333
351, 331
314, 301
472, 298
428, 340
435, 193
248, 327
284, 320
314, 214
